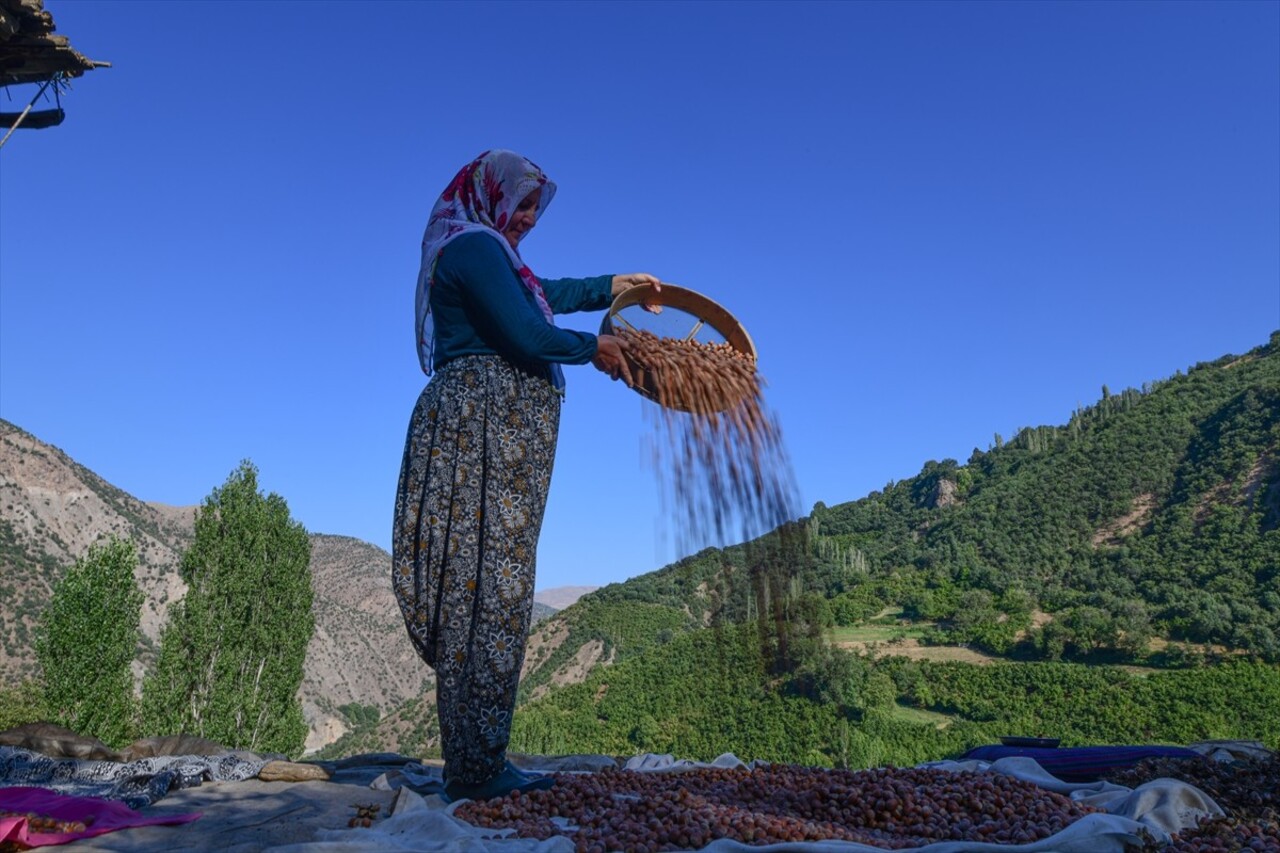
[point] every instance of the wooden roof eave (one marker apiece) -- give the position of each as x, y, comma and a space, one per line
30, 52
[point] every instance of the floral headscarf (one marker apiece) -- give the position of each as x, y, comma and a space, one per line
482, 197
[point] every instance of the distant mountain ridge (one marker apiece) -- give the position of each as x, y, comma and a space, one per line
560, 597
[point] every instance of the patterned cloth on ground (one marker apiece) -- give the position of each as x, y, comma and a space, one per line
135, 783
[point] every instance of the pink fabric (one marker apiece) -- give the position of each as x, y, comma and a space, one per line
99, 816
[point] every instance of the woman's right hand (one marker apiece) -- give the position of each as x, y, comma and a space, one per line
609, 358
626, 281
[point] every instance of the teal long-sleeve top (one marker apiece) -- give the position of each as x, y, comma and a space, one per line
481, 307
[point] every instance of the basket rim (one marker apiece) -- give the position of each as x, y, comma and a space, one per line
692, 302
697, 305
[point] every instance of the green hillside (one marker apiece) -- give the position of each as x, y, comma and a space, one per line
1156, 511
1122, 569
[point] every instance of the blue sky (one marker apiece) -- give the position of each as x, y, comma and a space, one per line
937, 221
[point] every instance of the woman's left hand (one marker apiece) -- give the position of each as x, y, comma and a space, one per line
626, 281
611, 358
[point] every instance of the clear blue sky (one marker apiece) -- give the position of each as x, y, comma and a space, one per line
938, 222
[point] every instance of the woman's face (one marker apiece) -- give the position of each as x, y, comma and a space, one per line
524, 218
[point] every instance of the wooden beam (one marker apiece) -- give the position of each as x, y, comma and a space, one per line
35, 120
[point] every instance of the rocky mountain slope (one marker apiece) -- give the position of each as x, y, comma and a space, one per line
359, 652
51, 510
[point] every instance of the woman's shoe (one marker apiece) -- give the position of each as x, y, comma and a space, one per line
510, 779
524, 775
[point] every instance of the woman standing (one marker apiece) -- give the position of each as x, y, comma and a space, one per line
478, 457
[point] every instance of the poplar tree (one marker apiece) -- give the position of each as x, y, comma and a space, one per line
86, 641
231, 658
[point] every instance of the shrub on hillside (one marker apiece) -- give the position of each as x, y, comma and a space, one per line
21, 704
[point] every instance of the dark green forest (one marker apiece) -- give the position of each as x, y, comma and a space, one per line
710, 692
1154, 513
1122, 570
1124, 566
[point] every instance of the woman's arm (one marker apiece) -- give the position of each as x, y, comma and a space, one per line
566, 295
502, 309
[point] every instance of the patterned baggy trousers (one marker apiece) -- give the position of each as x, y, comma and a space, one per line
473, 487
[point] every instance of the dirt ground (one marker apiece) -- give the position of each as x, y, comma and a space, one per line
909, 647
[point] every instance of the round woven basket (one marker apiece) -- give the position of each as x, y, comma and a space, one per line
685, 315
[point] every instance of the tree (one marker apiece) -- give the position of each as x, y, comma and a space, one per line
87, 639
231, 657
1091, 628
1133, 624
976, 611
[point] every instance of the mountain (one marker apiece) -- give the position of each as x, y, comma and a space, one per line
52, 509
1133, 551
359, 653
560, 597
1154, 512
